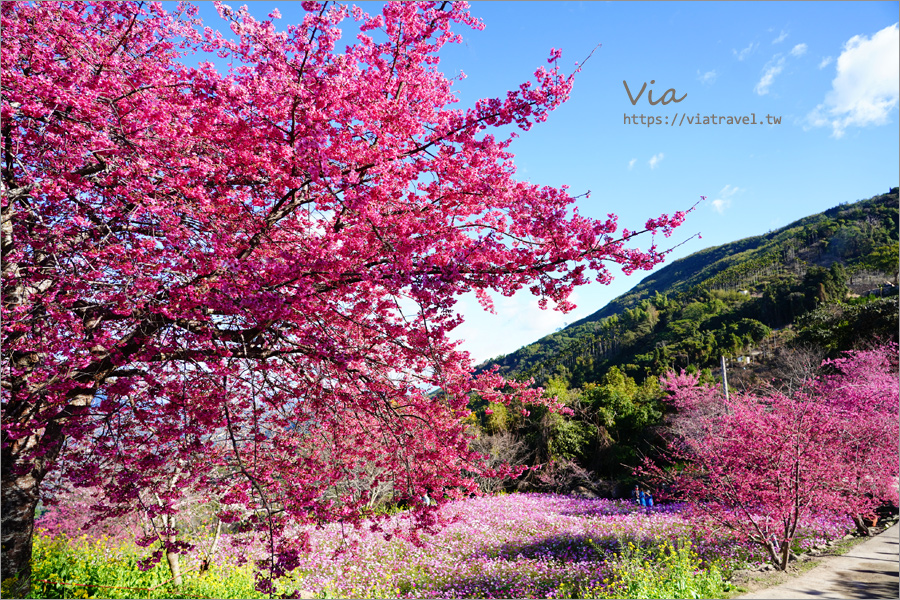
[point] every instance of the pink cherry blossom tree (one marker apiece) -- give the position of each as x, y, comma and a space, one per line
763, 465
862, 388
243, 283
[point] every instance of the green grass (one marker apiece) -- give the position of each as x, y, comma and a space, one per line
106, 569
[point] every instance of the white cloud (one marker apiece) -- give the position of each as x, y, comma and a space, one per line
772, 69
866, 89
741, 55
826, 61
631, 163
781, 37
655, 160
707, 78
519, 321
723, 198
798, 50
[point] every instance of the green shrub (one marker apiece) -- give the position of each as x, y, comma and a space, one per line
666, 571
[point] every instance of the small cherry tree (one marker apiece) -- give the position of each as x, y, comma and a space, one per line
244, 282
862, 388
765, 465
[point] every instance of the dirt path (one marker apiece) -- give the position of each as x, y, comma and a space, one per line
869, 570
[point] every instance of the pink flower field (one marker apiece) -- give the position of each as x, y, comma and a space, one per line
517, 546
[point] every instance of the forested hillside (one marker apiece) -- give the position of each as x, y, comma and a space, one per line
750, 286
820, 285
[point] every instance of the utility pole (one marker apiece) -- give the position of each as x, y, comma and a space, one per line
724, 378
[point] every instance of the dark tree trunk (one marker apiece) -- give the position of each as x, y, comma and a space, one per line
20, 495
861, 526
779, 553
20, 498
785, 556
21, 472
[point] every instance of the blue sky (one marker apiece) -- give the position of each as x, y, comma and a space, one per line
828, 70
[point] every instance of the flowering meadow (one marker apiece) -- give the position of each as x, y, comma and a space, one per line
511, 546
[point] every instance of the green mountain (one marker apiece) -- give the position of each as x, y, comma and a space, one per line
728, 299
